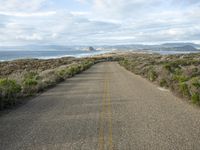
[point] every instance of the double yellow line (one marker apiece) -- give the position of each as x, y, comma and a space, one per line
106, 118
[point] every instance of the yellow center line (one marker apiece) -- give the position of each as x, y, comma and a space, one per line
106, 101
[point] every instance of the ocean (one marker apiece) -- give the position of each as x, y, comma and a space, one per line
47, 54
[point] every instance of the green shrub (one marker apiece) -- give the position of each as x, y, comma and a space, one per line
9, 90
74, 70
168, 67
29, 83
178, 71
183, 87
180, 78
85, 65
152, 75
127, 64
71, 71
62, 74
196, 82
31, 75
48, 79
172, 66
195, 69
195, 98
163, 83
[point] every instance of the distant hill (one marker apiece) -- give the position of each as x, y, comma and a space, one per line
163, 47
188, 48
166, 47
185, 48
180, 45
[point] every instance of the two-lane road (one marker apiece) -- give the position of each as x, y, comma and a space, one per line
104, 108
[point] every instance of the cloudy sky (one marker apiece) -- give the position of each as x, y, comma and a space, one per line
69, 22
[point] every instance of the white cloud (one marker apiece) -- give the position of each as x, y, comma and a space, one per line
33, 37
21, 5
79, 13
105, 21
81, 1
25, 14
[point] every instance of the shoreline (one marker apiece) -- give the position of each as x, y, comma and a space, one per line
84, 54
97, 53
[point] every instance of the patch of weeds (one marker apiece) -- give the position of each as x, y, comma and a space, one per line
9, 89
178, 71
163, 83
152, 75
171, 66
183, 87
30, 82
196, 82
195, 98
62, 74
168, 67
180, 78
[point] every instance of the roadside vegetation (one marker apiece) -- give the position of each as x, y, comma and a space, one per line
180, 73
24, 78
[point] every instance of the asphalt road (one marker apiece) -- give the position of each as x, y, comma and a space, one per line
104, 108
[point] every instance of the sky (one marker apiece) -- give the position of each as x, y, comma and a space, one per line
96, 22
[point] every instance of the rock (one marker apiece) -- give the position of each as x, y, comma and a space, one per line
91, 48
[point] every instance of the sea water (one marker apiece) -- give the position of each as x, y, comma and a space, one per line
8, 55
45, 54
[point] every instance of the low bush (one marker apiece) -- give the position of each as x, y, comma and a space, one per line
62, 74
152, 75
184, 90
163, 83
196, 82
178, 71
29, 84
168, 67
9, 90
195, 98
180, 78
70, 71
48, 78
